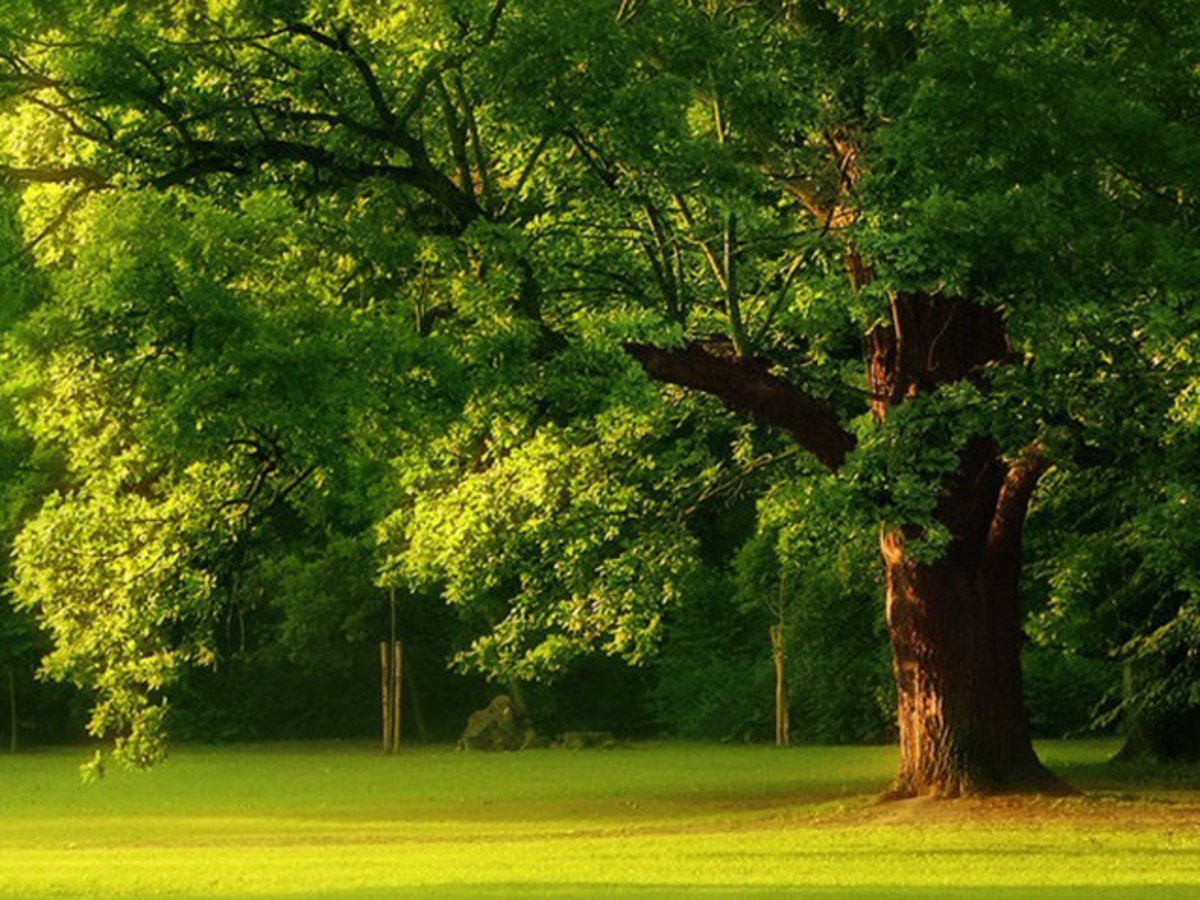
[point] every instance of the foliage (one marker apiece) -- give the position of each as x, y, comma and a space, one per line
1066, 692
808, 569
197, 405
573, 534
1113, 545
713, 675
314, 267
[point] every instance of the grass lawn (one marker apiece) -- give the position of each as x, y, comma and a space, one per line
340, 820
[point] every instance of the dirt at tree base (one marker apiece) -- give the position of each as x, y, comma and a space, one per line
1080, 811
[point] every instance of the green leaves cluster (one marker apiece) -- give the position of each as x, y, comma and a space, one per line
562, 542
199, 378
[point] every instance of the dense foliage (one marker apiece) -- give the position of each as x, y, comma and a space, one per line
335, 297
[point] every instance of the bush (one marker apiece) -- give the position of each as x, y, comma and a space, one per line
1064, 692
714, 675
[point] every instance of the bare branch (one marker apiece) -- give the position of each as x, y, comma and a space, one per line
54, 175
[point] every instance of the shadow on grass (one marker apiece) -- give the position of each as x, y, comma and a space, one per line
1131, 777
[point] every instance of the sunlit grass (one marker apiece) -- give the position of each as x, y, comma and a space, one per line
340, 820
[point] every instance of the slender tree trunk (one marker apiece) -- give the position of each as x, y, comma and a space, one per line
385, 699
14, 728
782, 725
520, 700
397, 694
414, 700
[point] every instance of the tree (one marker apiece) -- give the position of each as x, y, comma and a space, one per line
25, 476
887, 232
1113, 551
20, 642
810, 568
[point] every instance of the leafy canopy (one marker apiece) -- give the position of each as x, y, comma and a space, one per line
311, 262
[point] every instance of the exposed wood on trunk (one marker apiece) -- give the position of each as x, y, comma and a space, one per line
956, 643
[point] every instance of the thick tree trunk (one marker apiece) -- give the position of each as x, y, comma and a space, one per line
956, 645
955, 624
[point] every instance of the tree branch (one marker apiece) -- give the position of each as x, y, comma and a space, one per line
240, 158
526, 172
54, 175
54, 224
340, 43
1008, 522
747, 386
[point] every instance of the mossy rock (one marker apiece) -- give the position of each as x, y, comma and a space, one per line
494, 728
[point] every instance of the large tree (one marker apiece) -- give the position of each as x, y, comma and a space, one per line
892, 231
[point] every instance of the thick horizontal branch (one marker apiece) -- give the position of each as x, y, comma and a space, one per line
747, 386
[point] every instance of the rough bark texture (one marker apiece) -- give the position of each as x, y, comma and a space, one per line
955, 624
956, 643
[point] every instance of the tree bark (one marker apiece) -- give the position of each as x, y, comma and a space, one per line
746, 385
385, 699
956, 644
954, 624
783, 731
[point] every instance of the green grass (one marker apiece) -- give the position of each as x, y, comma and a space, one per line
340, 820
